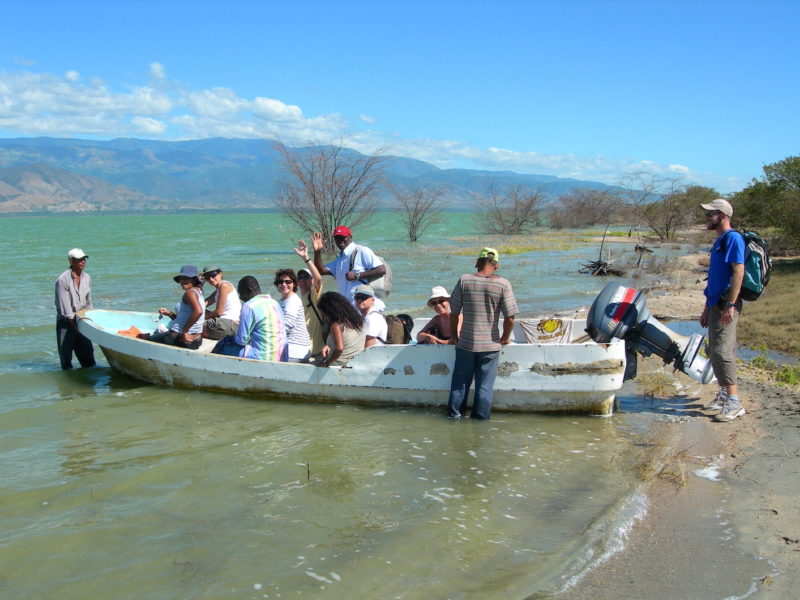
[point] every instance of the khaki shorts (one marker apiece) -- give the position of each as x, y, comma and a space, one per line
217, 328
722, 344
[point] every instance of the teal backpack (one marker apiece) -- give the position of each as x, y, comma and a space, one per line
757, 264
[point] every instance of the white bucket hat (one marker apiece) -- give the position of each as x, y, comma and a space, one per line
438, 291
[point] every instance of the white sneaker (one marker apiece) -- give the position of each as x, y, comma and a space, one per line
730, 411
719, 400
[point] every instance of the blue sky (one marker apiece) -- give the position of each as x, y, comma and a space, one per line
705, 91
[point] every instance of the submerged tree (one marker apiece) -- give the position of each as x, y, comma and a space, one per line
418, 207
511, 213
326, 186
583, 208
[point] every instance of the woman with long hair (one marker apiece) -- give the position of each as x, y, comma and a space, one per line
347, 334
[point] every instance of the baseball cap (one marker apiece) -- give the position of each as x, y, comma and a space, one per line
721, 205
210, 269
77, 254
342, 230
364, 289
487, 251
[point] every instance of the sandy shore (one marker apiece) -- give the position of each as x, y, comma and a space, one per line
723, 520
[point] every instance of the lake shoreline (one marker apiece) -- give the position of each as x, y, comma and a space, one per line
722, 520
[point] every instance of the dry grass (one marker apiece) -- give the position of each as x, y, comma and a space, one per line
773, 321
672, 468
656, 384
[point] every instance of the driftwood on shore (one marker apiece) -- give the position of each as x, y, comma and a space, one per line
601, 267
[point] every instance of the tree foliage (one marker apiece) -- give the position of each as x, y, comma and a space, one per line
326, 186
419, 208
773, 201
512, 212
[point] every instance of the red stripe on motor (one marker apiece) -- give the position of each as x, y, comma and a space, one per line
624, 304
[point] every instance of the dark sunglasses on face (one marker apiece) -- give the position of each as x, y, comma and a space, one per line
286, 281
299, 277
362, 297
439, 301
210, 275
339, 238
713, 213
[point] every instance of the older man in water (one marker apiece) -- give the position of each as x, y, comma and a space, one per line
73, 294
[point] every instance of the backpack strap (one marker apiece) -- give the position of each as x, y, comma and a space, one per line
314, 308
353, 262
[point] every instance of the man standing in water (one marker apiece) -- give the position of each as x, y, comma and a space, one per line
723, 305
73, 294
481, 296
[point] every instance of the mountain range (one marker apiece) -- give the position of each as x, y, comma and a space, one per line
75, 175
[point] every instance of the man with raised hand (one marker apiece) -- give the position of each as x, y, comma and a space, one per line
366, 267
481, 297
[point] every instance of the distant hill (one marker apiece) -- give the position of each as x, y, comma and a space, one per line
63, 175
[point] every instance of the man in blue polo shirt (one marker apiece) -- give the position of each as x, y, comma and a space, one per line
723, 305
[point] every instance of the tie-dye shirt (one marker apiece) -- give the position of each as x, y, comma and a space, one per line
261, 330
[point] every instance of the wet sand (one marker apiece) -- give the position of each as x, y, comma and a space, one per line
724, 518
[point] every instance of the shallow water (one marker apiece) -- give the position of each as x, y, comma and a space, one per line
113, 488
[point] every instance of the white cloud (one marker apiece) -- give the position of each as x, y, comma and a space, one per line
157, 71
275, 110
43, 104
148, 126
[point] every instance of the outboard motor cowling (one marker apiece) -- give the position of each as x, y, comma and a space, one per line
620, 312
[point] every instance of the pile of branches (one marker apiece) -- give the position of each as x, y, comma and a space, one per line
600, 268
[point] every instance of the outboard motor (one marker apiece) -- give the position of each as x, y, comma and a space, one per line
620, 312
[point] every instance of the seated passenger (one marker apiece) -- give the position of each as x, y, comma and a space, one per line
224, 318
374, 324
346, 337
186, 327
261, 334
437, 331
294, 316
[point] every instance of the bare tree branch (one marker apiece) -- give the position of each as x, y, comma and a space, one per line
511, 213
418, 208
326, 186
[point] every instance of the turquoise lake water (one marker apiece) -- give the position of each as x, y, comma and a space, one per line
111, 488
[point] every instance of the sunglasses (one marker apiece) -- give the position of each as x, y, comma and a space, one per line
299, 277
339, 238
362, 297
284, 281
713, 213
439, 301
210, 275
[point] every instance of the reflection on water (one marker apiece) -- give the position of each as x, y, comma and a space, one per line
183, 493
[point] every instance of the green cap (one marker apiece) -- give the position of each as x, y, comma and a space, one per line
490, 253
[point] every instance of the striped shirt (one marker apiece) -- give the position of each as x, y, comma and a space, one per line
261, 329
481, 299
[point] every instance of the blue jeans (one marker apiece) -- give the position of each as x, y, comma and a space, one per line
482, 366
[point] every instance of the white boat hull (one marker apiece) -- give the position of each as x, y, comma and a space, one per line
574, 377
